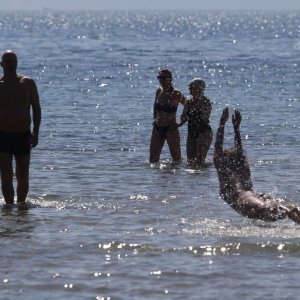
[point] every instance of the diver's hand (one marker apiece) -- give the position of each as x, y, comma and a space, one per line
224, 117
236, 119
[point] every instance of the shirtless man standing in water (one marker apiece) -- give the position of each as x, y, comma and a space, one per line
235, 181
18, 96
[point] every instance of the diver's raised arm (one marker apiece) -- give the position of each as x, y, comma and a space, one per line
236, 121
220, 132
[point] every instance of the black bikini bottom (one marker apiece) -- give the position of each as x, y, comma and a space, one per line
162, 130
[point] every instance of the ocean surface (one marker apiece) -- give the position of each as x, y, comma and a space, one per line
105, 224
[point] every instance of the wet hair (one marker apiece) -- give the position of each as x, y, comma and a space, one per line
234, 158
166, 72
198, 83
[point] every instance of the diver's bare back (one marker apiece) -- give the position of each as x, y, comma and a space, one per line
15, 101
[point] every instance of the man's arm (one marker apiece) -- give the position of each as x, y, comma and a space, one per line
36, 114
236, 121
220, 133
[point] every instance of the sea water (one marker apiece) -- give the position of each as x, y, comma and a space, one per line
103, 223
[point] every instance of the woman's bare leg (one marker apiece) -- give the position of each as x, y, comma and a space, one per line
156, 145
173, 140
191, 152
203, 144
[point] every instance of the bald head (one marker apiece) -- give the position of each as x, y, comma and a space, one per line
9, 60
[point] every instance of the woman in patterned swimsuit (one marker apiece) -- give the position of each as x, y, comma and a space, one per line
197, 112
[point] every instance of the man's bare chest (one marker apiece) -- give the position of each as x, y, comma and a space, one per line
13, 94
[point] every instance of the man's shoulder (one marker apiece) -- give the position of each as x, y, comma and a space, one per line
207, 100
26, 80
218, 160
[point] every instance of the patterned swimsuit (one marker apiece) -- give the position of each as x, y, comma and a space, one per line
196, 125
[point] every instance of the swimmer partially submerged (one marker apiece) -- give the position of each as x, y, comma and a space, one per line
235, 181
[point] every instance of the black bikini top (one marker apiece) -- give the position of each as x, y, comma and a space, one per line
167, 108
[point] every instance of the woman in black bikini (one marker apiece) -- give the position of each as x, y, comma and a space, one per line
197, 112
164, 118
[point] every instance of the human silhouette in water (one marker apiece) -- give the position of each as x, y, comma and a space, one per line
235, 181
197, 112
20, 118
164, 123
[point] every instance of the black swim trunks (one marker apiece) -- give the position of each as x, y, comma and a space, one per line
15, 143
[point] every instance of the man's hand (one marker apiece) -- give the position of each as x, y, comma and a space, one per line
34, 140
224, 117
236, 119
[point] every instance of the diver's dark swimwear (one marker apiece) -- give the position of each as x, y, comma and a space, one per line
196, 125
162, 130
167, 108
15, 143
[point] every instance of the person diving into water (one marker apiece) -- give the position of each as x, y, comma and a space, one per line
235, 181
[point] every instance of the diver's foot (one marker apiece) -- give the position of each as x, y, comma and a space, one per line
294, 215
